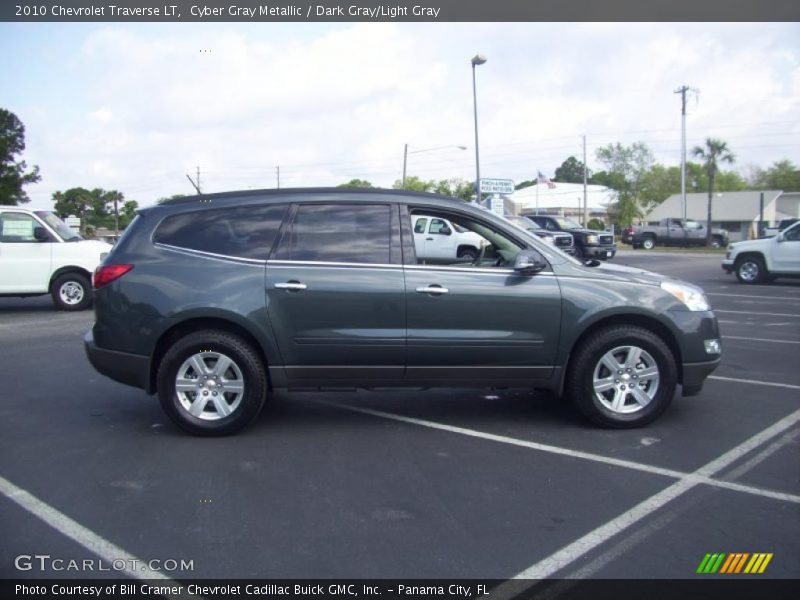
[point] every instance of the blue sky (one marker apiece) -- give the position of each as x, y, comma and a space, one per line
135, 107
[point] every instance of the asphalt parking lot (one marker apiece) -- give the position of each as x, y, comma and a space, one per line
436, 484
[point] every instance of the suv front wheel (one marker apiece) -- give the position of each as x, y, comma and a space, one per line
622, 377
750, 269
211, 383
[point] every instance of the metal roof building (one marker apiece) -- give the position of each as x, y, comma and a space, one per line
738, 212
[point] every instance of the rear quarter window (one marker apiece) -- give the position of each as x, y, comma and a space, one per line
245, 232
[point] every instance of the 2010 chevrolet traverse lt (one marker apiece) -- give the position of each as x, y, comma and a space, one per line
216, 300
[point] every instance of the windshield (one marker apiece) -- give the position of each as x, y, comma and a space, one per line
566, 223
61, 228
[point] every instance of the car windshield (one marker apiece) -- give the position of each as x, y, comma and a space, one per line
566, 223
61, 228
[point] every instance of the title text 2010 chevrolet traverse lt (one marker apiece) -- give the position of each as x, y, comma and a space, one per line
215, 301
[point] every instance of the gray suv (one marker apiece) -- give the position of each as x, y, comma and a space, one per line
214, 301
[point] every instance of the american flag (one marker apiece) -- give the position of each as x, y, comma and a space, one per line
542, 178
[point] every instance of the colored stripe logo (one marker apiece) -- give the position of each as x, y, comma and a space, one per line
734, 563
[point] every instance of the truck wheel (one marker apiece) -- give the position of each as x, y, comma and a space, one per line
648, 243
211, 383
72, 291
467, 254
622, 377
750, 269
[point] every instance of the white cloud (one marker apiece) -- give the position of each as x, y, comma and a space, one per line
331, 104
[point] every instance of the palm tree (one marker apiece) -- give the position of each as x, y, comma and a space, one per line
715, 151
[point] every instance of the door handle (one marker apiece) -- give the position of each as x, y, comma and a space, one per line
291, 285
432, 289
428, 239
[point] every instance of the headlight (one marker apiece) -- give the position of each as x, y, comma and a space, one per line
549, 239
592, 239
692, 297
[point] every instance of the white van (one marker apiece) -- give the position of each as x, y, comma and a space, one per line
40, 255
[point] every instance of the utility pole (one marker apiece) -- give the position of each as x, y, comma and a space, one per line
116, 214
196, 184
682, 91
278, 173
405, 162
585, 168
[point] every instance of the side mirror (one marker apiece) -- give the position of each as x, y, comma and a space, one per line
40, 234
529, 262
780, 237
446, 231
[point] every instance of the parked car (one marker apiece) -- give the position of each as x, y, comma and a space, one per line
562, 241
40, 254
438, 239
215, 301
673, 232
756, 261
783, 224
588, 243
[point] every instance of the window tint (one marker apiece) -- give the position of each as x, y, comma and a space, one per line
17, 228
359, 233
247, 232
419, 226
793, 234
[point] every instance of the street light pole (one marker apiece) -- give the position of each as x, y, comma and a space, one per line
478, 59
405, 162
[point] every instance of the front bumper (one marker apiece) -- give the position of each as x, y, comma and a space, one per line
601, 252
130, 369
727, 265
695, 374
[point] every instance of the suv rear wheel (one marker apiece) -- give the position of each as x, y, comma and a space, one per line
622, 377
72, 291
211, 383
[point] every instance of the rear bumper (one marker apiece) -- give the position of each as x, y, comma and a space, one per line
130, 369
695, 374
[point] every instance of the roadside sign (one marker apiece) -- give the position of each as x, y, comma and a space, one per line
497, 205
497, 186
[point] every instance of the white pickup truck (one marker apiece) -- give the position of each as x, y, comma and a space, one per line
40, 255
755, 261
439, 239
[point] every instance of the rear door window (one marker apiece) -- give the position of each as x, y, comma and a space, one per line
354, 233
244, 232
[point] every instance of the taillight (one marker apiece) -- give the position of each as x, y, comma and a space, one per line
107, 273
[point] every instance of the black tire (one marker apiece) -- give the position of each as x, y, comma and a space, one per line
750, 270
72, 291
251, 371
468, 254
648, 242
587, 359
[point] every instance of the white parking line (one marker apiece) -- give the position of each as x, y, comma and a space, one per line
572, 552
750, 312
755, 382
85, 537
749, 339
617, 462
636, 537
